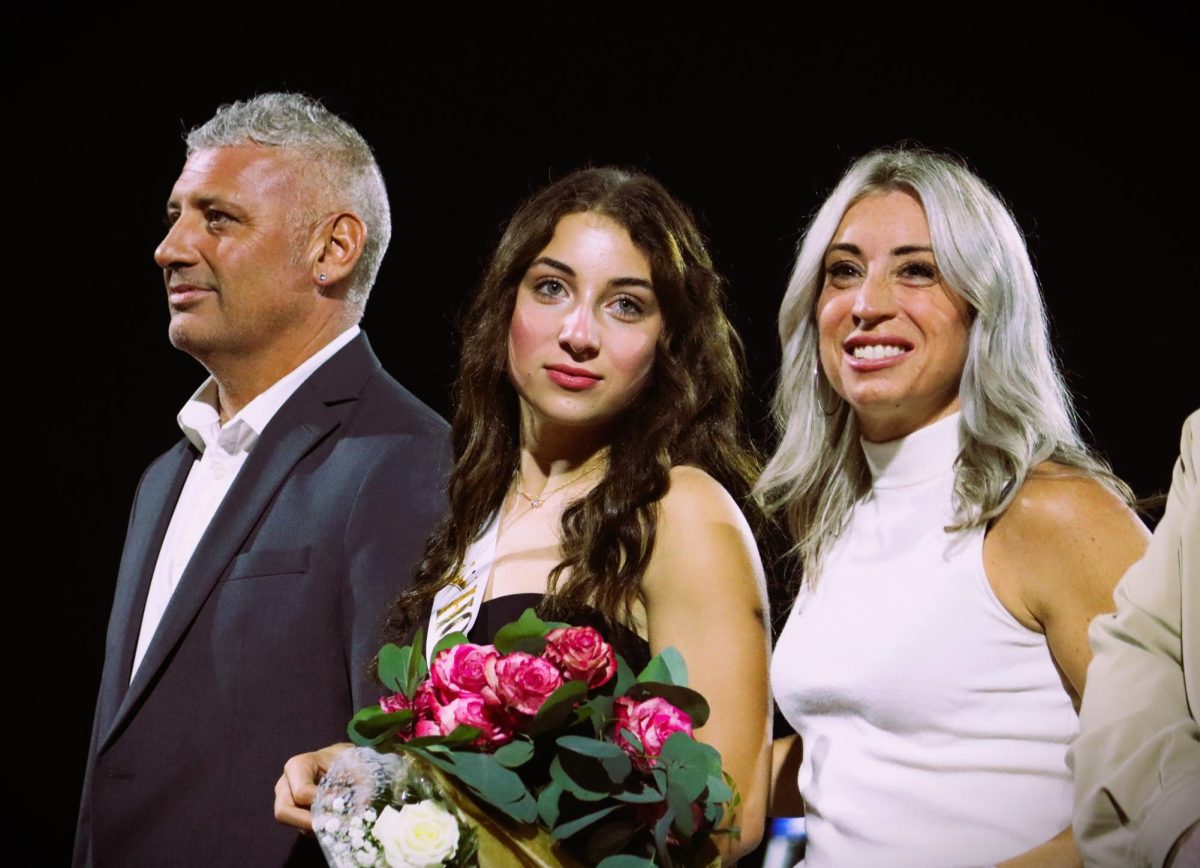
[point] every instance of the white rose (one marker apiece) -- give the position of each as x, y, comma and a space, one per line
417, 836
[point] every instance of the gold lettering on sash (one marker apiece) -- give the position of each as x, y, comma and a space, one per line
456, 615
466, 595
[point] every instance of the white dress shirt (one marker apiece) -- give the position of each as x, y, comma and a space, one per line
223, 451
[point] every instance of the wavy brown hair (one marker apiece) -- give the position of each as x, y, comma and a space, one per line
688, 412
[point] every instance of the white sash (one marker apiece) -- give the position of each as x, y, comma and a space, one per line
456, 604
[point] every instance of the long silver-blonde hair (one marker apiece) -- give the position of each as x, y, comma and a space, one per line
1016, 411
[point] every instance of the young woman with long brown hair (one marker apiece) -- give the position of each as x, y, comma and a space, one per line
600, 459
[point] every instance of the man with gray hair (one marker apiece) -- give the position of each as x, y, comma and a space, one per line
262, 549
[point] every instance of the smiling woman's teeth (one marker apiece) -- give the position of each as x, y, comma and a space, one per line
877, 351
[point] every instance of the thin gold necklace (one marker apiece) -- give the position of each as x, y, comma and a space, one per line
540, 501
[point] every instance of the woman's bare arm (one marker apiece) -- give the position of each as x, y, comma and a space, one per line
705, 594
1053, 560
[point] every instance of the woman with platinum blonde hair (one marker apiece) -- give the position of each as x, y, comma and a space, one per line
955, 535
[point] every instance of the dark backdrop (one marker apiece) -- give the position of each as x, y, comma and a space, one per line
1082, 132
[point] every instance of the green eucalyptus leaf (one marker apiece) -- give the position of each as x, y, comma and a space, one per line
417, 670
647, 796
557, 708
612, 759
718, 789
633, 740
461, 735
667, 667
598, 710
494, 783
373, 719
658, 775
514, 754
713, 812
501, 788
442, 760
523, 810
656, 670
547, 802
373, 726
625, 678
682, 748
618, 767
582, 777
676, 665
661, 828
589, 746
433, 742
393, 666
681, 805
524, 634
688, 779
566, 830
624, 860
382, 742
449, 641
689, 764
684, 698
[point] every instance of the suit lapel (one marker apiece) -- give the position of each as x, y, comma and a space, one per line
152, 513
307, 418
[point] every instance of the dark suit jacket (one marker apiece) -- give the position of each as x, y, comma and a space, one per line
263, 650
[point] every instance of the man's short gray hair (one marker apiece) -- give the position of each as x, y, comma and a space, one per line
340, 160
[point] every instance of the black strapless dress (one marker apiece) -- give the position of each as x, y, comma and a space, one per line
498, 611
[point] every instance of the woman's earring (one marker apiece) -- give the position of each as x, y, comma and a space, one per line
817, 392
321, 276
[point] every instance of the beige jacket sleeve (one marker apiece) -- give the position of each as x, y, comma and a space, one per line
1137, 758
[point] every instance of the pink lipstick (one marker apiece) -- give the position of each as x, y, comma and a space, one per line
572, 378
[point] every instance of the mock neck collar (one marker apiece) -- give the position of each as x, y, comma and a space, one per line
925, 454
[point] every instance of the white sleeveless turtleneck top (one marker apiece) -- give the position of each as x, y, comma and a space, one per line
935, 726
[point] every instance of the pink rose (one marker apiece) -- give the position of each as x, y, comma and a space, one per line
395, 702
473, 710
425, 708
582, 654
398, 702
426, 728
652, 722
459, 670
521, 682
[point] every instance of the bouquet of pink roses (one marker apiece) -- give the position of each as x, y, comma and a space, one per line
553, 735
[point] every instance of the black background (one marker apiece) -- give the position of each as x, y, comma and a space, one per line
1082, 131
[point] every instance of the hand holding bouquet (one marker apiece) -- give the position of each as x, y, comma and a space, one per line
562, 748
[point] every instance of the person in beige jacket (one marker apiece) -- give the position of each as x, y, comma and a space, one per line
1137, 757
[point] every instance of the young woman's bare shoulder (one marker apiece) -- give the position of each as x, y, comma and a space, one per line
701, 530
695, 496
